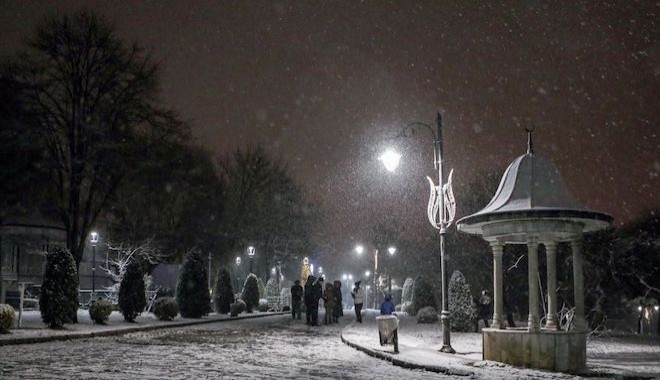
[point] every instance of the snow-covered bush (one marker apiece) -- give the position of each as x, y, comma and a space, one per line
7, 318
237, 307
58, 302
272, 288
427, 314
100, 310
192, 294
223, 296
407, 292
461, 306
250, 293
132, 298
422, 296
166, 309
397, 307
263, 305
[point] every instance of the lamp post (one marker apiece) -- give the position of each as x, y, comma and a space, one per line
366, 291
238, 269
441, 209
391, 251
94, 239
251, 251
359, 250
209, 277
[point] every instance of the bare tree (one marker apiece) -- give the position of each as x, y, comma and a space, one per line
120, 256
93, 102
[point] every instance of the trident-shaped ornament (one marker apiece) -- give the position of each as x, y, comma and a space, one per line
441, 217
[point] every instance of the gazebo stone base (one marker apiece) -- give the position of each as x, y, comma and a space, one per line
563, 351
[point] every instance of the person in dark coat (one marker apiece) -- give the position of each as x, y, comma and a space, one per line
309, 298
329, 301
484, 307
317, 294
339, 307
296, 298
387, 307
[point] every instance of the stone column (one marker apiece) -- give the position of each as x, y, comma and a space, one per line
578, 285
533, 323
551, 259
498, 294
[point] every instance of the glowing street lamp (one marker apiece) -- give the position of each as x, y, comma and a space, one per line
359, 249
238, 260
390, 159
251, 251
94, 239
440, 212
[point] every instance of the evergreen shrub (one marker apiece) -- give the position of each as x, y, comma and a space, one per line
100, 310
192, 294
427, 314
250, 293
235, 309
263, 305
132, 298
58, 301
422, 296
461, 305
7, 318
166, 308
223, 295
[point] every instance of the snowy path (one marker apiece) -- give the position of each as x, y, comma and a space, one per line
264, 348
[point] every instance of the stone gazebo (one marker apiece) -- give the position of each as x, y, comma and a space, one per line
532, 206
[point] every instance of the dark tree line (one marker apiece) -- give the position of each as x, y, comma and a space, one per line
86, 141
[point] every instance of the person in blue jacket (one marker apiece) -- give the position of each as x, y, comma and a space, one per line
387, 307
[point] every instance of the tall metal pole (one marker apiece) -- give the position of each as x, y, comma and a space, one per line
444, 222
209, 272
93, 269
375, 278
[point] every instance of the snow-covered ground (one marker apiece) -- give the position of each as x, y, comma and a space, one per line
420, 343
281, 348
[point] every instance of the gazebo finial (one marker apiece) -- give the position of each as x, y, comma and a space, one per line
530, 147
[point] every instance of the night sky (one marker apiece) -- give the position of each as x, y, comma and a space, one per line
324, 85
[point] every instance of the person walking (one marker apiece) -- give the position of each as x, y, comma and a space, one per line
387, 307
296, 298
309, 298
358, 300
329, 301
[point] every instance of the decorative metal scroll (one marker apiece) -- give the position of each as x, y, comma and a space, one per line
441, 218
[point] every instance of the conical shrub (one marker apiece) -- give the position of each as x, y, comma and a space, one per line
59, 291
422, 296
132, 298
462, 311
223, 295
250, 293
192, 293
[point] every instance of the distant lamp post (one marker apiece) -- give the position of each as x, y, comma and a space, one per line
209, 277
238, 260
94, 239
359, 249
251, 251
391, 251
320, 271
441, 209
238, 267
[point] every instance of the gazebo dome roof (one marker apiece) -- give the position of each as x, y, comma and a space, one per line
532, 190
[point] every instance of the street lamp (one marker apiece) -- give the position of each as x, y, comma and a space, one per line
441, 209
94, 239
251, 251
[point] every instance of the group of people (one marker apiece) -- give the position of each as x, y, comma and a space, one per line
315, 290
312, 294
